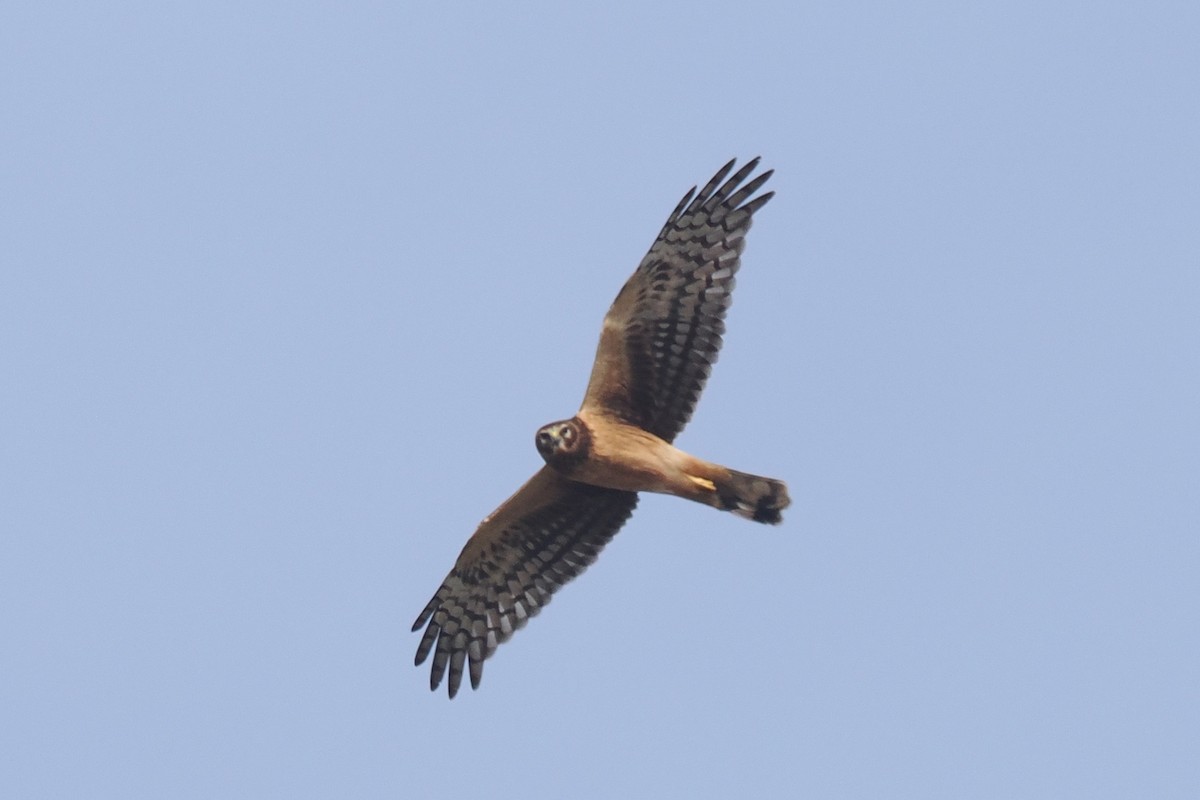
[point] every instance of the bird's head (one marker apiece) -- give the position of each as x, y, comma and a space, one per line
563, 444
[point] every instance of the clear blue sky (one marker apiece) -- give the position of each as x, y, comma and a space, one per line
287, 290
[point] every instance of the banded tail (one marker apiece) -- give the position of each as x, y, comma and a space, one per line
750, 496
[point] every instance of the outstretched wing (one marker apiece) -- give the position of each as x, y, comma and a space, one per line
536, 541
662, 334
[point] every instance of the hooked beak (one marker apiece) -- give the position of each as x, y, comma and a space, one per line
547, 440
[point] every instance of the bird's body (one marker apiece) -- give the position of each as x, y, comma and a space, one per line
623, 456
657, 346
619, 456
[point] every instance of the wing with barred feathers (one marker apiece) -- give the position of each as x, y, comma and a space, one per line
663, 332
539, 539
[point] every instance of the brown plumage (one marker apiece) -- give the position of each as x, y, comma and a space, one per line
657, 346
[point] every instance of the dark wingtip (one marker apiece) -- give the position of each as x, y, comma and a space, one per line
758, 202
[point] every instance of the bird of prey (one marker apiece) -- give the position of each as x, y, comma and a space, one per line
658, 343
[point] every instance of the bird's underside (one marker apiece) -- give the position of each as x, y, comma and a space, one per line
657, 346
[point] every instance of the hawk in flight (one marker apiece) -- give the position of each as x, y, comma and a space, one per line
657, 346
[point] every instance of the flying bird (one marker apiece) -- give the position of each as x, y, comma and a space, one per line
657, 346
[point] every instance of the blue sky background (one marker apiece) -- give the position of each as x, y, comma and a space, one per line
287, 289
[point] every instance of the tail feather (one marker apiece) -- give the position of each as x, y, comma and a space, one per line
751, 496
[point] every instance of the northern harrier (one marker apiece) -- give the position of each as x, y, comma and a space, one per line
657, 346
